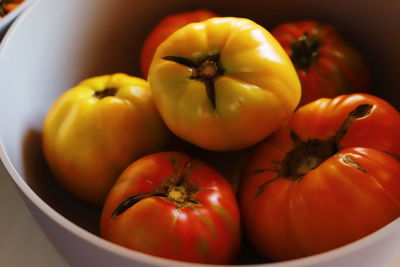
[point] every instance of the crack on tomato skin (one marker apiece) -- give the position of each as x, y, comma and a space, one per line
350, 161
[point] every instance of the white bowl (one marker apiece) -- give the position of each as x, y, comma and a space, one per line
55, 44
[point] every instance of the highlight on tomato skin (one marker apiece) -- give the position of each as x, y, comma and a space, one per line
326, 63
337, 158
170, 205
165, 28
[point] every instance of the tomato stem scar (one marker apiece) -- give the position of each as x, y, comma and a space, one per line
309, 154
205, 69
175, 188
106, 92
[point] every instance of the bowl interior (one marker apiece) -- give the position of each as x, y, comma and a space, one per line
56, 44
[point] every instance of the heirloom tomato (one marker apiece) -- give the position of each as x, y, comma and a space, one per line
96, 129
165, 28
170, 205
223, 84
326, 64
330, 177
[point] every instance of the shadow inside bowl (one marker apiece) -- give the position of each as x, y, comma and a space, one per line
39, 178
87, 216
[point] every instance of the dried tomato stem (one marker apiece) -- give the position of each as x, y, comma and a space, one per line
359, 112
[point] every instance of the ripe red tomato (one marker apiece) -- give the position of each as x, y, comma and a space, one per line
170, 205
329, 178
326, 64
165, 28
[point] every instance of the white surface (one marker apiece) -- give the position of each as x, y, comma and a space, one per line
22, 242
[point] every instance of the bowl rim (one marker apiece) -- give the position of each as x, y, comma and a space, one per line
129, 254
9, 17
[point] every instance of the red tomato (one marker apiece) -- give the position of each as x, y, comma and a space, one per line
329, 178
165, 28
326, 65
170, 205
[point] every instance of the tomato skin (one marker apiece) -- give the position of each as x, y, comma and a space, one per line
213, 79
208, 232
95, 129
352, 193
165, 28
334, 67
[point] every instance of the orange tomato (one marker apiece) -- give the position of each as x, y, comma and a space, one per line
330, 177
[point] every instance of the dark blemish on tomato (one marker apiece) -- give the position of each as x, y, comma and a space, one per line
350, 161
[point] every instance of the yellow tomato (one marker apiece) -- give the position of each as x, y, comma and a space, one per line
224, 83
96, 129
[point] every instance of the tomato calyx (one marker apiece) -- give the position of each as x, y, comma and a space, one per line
206, 70
175, 188
306, 156
104, 93
309, 154
305, 51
